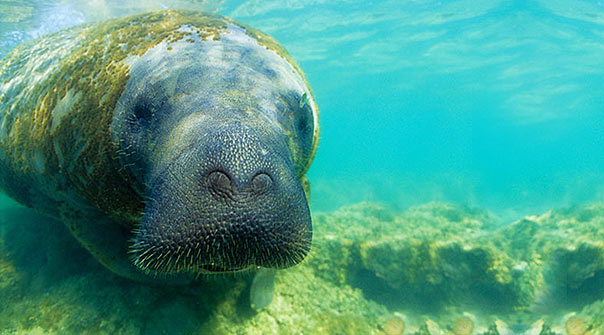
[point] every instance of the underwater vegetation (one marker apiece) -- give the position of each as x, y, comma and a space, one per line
433, 269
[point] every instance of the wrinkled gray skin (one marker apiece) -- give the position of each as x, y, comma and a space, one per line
204, 128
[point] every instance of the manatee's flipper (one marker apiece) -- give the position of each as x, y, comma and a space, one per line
108, 242
261, 292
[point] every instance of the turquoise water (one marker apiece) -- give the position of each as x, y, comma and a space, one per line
496, 106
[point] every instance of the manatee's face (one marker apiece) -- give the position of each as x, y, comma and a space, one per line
216, 132
230, 203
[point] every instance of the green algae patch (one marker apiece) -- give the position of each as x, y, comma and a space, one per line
303, 304
437, 257
433, 256
43, 137
568, 246
9, 276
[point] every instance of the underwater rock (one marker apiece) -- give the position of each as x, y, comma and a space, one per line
393, 326
445, 254
439, 270
565, 251
463, 326
433, 328
9, 276
575, 326
435, 252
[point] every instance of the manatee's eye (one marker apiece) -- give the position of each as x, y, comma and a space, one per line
296, 114
147, 107
138, 117
304, 117
143, 111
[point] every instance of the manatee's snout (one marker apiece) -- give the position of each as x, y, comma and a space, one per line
226, 204
221, 185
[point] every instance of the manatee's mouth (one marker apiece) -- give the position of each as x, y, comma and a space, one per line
213, 222
219, 247
217, 269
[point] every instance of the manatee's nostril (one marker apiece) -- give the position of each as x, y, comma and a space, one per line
219, 181
261, 182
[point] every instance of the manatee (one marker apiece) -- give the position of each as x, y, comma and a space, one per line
171, 144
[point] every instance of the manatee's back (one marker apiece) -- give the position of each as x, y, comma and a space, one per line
57, 95
25, 90
57, 100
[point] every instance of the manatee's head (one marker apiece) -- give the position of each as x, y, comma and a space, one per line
226, 200
217, 134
